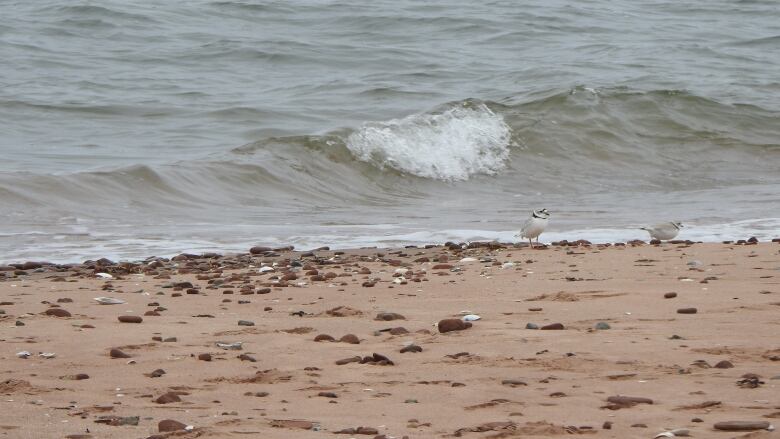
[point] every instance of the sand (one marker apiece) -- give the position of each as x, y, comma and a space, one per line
494, 379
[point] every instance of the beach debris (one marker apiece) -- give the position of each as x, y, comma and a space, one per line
470, 318
23, 354
235, 346
104, 275
108, 301
47, 355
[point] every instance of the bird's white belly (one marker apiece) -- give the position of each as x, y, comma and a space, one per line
534, 229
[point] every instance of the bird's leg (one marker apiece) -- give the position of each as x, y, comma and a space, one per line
530, 242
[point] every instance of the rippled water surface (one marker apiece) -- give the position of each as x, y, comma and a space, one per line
130, 128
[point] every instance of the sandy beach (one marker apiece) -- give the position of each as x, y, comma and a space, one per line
226, 345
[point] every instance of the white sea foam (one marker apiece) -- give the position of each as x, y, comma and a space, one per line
452, 145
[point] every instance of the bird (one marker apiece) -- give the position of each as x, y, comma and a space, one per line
534, 226
663, 231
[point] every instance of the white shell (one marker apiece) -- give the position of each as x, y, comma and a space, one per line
104, 275
470, 318
23, 354
108, 301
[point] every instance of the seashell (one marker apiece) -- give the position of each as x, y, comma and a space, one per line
104, 275
230, 346
108, 301
470, 318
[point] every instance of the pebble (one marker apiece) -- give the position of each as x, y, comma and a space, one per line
411, 348
687, 311
167, 398
514, 383
130, 319
57, 312
324, 337
607, 425
246, 323
170, 425
553, 326
670, 295
204, 357
448, 325
116, 353
742, 425
531, 326
725, 364
350, 338
629, 401
602, 325
348, 360
387, 316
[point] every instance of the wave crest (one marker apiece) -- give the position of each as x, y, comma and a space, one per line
455, 144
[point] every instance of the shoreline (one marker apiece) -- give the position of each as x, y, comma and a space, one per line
681, 324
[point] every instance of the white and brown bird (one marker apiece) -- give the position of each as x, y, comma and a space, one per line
663, 231
535, 225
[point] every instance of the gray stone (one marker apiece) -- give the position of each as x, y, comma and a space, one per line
531, 326
602, 325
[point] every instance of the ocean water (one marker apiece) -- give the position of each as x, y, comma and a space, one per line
138, 128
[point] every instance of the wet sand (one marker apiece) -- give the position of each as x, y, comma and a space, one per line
494, 379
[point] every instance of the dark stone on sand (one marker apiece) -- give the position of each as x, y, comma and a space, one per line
687, 311
57, 312
116, 421
724, 364
411, 348
752, 240
130, 319
442, 267
246, 323
553, 326
602, 326
398, 331
607, 425
513, 383
167, 398
157, 373
151, 314
531, 326
741, 425
246, 357
629, 400
348, 360
259, 250
448, 325
387, 316
327, 395
639, 425
170, 425
324, 337
350, 338
19, 323
670, 295
65, 300
116, 353
263, 290
204, 357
